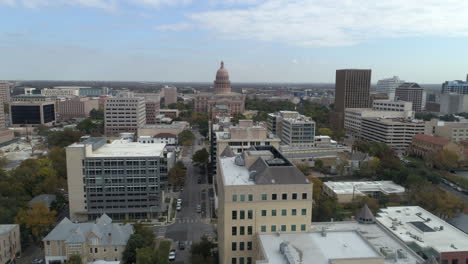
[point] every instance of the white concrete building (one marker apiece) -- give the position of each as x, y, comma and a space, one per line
346, 191
394, 106
292, 128
426, 233
389, 85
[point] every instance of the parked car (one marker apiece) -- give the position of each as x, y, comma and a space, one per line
179, 201
172, 255
181, 245
37, 261
198, 208
178, 207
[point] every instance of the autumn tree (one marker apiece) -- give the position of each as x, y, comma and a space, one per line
58, 159
446, 160
38, 219
186, 137
176, 176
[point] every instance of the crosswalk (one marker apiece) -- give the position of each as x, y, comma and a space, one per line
189, 220
161, 232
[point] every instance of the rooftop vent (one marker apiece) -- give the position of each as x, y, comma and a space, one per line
252, 175
285, 250
239, 161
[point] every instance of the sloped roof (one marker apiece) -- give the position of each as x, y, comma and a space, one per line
409, 85
432, 139
227, 152
109, 234
365, 215
165, 135
276, 174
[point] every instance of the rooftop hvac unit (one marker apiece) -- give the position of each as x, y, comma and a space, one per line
285, 250
402, 254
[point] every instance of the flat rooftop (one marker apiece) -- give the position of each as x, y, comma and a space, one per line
361, 187
314, 248
376, 236
234, 174
123, 148
6, 228
413, 224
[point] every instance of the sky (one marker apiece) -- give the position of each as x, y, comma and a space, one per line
296, 41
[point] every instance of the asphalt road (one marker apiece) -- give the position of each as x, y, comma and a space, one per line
189, 225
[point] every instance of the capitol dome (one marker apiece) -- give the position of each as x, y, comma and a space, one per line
222, 85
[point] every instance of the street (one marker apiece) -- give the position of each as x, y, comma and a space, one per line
189, 225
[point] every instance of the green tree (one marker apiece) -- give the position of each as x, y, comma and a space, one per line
162, 254
58, 159
38, 219
63, 138
42, 130
446, 160
200, 158
325, 131
186, 137
236, 117
134, 242
146, 255
97, 114
74, 259
318, 164
90, 126
201, 252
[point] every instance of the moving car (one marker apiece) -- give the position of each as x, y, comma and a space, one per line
198, 208
179, 201
172, 255
178, 207
181, 245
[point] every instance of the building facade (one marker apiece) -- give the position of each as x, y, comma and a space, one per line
32, 111
4, 92
292, 128
259, 192
240, 138
100, 240
391, 105
123, 179
76, 107
152, 106
396, 133
452, 103
354, 117
456, 87
411, 92
124, 113
10, 243
453, 131
352, 90
427, 146
170, 95
345, 192
61, 91
207, 102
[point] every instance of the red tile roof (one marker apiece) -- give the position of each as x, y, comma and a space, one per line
432, 139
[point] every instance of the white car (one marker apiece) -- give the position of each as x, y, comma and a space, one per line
179, 201
178, 207
172, 255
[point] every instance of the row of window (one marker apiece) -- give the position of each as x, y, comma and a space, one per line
242, 260
242, 246
454, 261
240, 230
242, 214
121, 163
284, 212
264, 197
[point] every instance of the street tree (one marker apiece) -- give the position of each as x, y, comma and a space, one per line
324, 131
201, 252
186, 137
200, 158
38, 219
177, 176
146, 255
135, 242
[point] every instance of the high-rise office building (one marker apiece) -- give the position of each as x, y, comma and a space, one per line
455, 87
259, 192
352, 90
170, 95
4, 92
122, 179
388, 86
411, 92
153, 105
124, 113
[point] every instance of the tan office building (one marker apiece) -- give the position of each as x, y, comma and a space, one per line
170, 95
259, 192
10, 244
76, 107
4, 92
352, 90
124, 113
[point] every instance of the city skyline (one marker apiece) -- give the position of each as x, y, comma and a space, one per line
301, 41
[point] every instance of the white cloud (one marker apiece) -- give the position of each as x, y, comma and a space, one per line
337, 22
174, 27
158, 3
101, 4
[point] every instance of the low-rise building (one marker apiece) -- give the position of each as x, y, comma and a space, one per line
10, 243
391, 105
259, 192
32, 111
396, 133
101, 240
171, 113
152, 130
345, 192
61, 91
428, 146
453, 131
124, 179
165, 138
425, 233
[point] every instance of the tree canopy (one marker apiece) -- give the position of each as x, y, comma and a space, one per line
201, 252
186, 137
38, 219
200, 158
